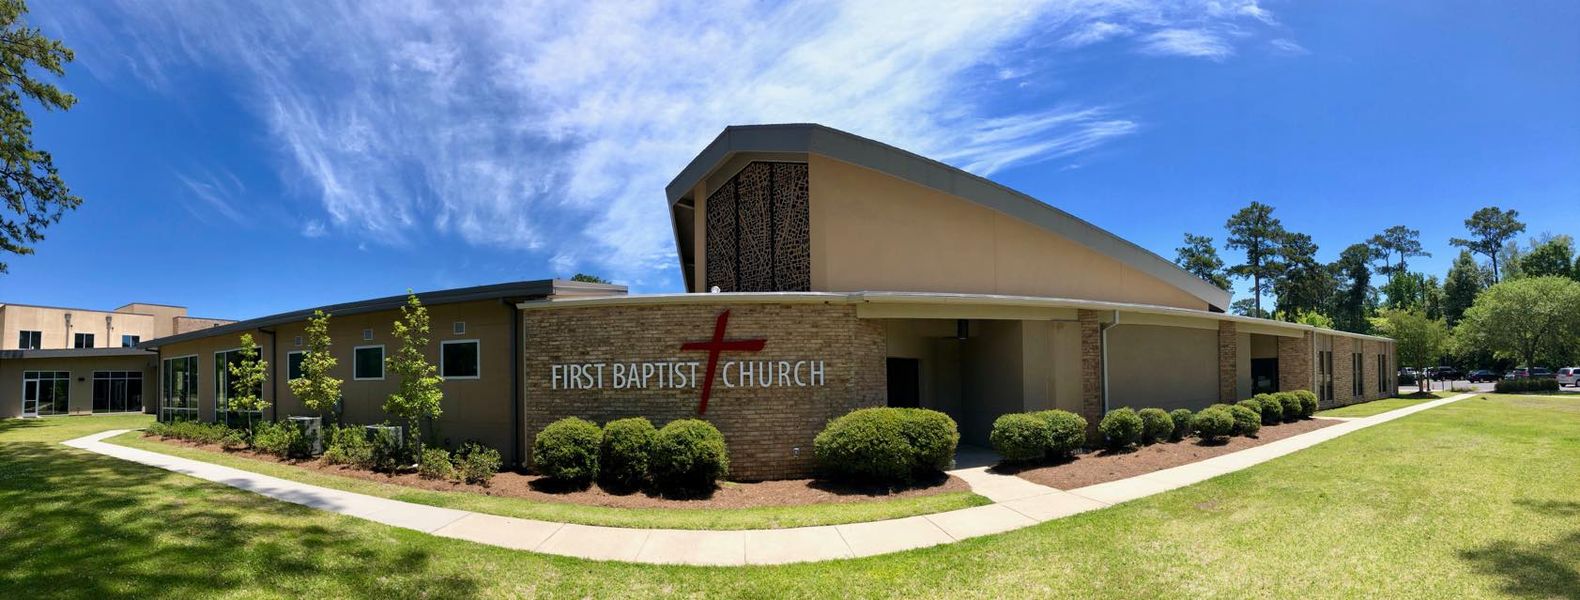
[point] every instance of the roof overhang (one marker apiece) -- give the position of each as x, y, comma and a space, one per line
737, 145
73, 353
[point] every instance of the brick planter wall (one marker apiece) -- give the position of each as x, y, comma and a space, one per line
762, 425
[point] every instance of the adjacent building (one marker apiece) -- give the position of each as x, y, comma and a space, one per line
824, 272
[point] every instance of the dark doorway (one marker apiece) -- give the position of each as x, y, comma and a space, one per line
1264, 375
905, 382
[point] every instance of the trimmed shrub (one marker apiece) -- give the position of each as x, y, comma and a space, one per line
1156, 425
1066, 432
1246, 421
1213, 424
1121, 428
389, 453
1308, 402
191, 431
280, 439
690, 453
1254, 405
235, 439
476, 463
1182, 424
349, 446
1525, 385
435, 463
1020, 437
1291, 404
1272, 410
567, 450
626, 456
887, 444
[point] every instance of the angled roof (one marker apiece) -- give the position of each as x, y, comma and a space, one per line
516, 290
808, 138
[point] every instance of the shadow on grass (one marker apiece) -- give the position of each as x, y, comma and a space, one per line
74, 524
1531, 570
8, 425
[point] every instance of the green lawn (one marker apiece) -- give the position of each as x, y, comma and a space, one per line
1375, 407
663, 518
1475, 499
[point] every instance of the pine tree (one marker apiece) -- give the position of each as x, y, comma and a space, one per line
1489, 228
1351, 305
1460, 289
1255, 230
32, 189
1200, 258
318, 391
417, 402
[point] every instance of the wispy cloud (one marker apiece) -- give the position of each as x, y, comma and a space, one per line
552, 128
1199, 43
216, 194
1288, 47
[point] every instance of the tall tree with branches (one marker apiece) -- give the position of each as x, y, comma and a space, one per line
1352, 300
318, 391
1258, 233
1200, 258
1398, 241
417, 402
1489, 228
35, 195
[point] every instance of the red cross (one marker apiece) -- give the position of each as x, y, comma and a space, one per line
714, 347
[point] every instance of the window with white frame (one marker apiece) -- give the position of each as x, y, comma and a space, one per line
46, 392
224, 390
459, 359
178, 396
30, 340
293, 364
367, 362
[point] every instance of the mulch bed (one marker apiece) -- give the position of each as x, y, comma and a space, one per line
1101, 467
789, 492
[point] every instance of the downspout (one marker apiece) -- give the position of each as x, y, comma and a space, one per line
1103, 329
274, 377
515, 394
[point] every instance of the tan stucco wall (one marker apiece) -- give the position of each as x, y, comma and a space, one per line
81, 369
933, 343
473, 409
51, 322
1162, 367
992, 377
164, 317
875, 232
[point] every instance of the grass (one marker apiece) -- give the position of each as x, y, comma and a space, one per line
1470, 500
1377, 407
651, 518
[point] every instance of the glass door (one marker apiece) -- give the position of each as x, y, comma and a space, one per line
30, 398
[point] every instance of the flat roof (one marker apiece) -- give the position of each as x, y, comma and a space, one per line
73, 308
540, 288
811, 138
925, 298
73, 353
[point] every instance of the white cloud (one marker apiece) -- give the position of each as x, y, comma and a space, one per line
552, 128
1199, 43
1288, 47
217, 192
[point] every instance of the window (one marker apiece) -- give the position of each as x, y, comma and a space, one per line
117, 391
130, 341
1357, 382
367, 334
1325, 376
30, 340
293, 364
1382, 373
458, 359
223, 390
178, 398
46, 392
368, 362
82, 340
459, 328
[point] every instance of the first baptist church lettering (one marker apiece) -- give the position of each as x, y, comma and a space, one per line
837, 273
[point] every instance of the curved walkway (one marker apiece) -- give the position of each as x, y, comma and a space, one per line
1017, 503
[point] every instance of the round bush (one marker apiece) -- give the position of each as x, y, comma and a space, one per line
1272, 410
567, 450
1213, 424
690, 453
1020, 437
1066, 432
1182, 424
1291, 404
1246, 421
1121, 428
887, 444
626, 455
435, 463
1308, 403
1253, 404
1156, 425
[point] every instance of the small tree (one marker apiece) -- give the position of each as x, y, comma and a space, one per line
417, 402
1418, 340
246, 380
317, 390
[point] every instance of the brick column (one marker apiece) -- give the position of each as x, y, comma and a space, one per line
1295, 368
1091, 368
1344, 370
1228, 362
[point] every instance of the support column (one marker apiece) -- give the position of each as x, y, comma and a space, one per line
1091, 368
1228, 362
1295, 357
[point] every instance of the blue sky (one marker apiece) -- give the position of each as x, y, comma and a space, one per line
341, 151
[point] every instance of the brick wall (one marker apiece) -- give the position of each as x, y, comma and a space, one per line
762, 425
1295, 356
1228, 362
1091, 369
1344, 371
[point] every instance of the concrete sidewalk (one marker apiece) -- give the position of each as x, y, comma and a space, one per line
1017, 503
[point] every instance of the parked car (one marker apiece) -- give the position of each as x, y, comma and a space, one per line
1569, 376
1481, 376
1443, 373
1529, 373
1541, 373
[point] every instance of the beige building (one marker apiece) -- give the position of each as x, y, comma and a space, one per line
56, 360
823, 272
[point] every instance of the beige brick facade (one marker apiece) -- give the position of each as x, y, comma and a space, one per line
1343, 371
1295, 368
1228, 362
769, 429
1091, 368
